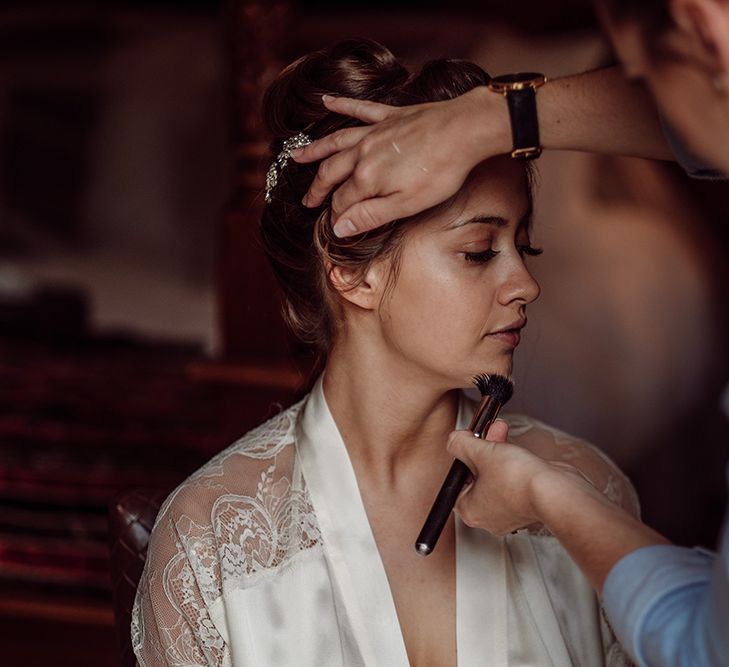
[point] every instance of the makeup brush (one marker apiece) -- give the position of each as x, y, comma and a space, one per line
495, 391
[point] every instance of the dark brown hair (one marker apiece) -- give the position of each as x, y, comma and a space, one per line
299, 241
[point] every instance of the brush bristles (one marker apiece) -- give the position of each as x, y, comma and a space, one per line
500, 388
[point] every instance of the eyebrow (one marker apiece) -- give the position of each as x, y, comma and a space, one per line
495, 220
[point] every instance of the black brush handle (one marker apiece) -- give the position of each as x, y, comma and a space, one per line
442, 507
484, 416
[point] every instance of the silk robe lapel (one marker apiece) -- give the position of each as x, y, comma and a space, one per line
524, 560
349, 543
481, 617
481, 562
480, 598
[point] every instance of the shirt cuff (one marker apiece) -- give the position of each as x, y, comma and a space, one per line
641, 580
692, 165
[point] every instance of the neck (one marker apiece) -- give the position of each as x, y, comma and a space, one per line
392, 417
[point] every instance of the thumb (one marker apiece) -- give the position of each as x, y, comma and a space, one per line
366, 215
498, 431
460, 446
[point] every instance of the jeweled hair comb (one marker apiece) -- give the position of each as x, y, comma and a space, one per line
298, 141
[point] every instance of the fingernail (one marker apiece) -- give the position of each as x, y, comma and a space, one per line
327, 98
305, 200
296, 152
344, 228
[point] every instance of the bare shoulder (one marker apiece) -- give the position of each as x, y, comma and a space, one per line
554, 444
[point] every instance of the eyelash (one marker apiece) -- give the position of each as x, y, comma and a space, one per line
486, 255
480, 257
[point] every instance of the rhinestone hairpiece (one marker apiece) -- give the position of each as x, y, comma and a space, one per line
298, 141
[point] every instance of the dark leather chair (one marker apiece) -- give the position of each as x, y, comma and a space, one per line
131, 518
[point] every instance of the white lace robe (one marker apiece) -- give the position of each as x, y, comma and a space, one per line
265, 557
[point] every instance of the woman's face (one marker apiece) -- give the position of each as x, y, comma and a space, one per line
458, 303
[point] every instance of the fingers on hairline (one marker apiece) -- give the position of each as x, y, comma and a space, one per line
371, 213
365, 110
352, 191
331, 144
331, 172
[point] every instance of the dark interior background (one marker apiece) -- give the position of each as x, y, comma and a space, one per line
139, 324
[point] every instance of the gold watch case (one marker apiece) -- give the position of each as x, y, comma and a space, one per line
519, 81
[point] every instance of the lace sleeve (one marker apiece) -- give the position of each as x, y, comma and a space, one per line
238, 517
171, 623
555, 445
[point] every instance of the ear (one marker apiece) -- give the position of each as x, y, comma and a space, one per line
707, 21
364, 291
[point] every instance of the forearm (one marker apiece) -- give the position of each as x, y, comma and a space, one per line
602, 112
595, 532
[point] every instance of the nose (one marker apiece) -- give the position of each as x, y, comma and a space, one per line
519, 285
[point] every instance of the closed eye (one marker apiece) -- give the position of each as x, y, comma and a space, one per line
529, 250
483, 256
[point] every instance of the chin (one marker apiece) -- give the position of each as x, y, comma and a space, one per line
492, 367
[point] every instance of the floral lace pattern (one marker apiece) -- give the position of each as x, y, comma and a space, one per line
240, 517
556, 445
246, 514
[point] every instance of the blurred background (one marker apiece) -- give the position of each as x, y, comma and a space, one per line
139, 324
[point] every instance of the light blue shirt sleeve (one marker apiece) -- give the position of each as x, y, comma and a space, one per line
669, 605
692, 165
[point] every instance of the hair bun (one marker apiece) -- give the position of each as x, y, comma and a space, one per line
445, 79
358, 68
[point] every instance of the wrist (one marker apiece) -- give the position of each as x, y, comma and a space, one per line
539, 492
553, 491
492, 130
555, 126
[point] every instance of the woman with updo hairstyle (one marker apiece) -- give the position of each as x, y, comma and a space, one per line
295, 546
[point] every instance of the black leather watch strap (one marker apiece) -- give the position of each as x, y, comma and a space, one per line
524, 125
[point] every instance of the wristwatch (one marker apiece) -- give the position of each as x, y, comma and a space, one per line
520, 93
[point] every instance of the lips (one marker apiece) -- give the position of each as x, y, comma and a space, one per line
510, 335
